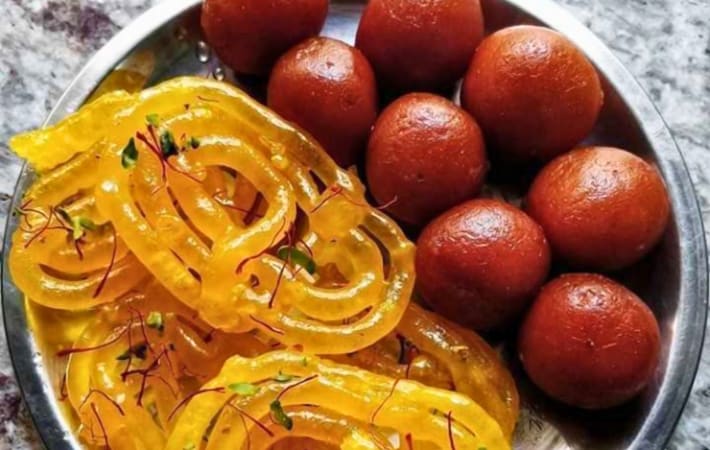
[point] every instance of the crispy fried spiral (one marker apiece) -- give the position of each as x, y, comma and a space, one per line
197, 225
126, 373
174, 216
444, 418
434, 351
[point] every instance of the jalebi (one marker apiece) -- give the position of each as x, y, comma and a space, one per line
197, 225
434, 351
430, 415
136, 360
173, 212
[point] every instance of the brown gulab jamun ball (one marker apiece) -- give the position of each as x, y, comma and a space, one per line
417, 45
533, 92
601, 208
480, 263
328, 88
249, 35
424, 156
589, 342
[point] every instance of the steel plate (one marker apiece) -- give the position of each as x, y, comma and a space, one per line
673, 280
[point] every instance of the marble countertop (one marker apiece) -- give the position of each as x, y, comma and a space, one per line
664, 43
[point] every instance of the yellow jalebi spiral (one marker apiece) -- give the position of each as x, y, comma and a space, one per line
313, 428
191, 203
134, 363
50, 263
174, 205
434, 351
271, 386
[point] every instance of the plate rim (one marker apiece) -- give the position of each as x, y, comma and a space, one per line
667, 408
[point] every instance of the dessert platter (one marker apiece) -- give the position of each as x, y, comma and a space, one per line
394, 224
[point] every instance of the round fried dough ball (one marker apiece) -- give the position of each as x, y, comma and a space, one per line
249, 35
328, 88
533, 92
602, 208
480, 263
589, 342
419, 45
424, 156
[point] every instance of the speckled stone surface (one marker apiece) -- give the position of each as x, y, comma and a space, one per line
664, 43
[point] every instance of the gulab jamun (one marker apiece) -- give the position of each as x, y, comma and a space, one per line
480, 263
249, 35
415, 45
589, 342
602, 208
533, 92
424, 156
328, 88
